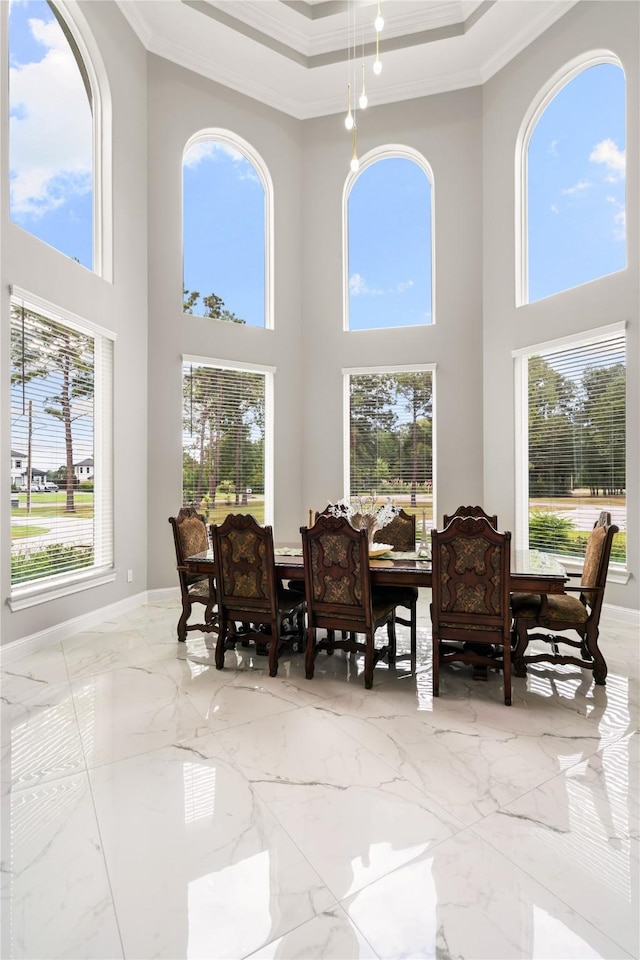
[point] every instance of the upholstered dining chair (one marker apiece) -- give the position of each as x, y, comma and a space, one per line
471, 512
579, 614
190, 537
339, 595
401, 534
248, 589
470, 609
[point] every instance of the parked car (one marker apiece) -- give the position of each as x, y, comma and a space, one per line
50, 487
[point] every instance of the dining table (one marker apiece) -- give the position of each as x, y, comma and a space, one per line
531, 570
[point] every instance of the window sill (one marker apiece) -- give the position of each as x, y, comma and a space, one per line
614, 574
23, 597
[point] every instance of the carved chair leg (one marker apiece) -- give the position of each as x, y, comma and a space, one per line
519, 666
436, 666
182, 622
369, 660
414, 633
391, 635
220, 645
600, 669
276, 629
506, 674
310, 655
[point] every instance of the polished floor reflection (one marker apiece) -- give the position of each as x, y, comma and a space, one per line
156, 807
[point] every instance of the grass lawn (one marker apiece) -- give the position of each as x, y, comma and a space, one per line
54, 505
28, 530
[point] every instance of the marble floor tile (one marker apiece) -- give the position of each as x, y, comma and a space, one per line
578, 836
39, 733
198, 865
55, 891
464, 899
329, 936
154, 806
132, 710
351, 814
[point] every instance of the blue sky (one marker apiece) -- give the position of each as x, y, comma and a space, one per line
576, 172
390, 246
50, 152
224, 229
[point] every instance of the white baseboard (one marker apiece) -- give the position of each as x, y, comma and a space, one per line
621, 614
68, 628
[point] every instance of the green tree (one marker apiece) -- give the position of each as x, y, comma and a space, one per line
602, 416
552, 407
64, 361
371, 418
415, 390
213, 306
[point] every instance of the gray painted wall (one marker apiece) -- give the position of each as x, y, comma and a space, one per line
120, 306
468, 138
588, 26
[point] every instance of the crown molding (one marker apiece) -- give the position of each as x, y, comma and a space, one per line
137, 23
522, 39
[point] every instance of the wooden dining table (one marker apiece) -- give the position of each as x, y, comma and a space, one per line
531, 571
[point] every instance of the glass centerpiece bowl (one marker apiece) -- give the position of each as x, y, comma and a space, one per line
365, 513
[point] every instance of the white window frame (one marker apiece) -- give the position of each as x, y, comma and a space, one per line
101, 111
29, 594
382, 153
347, 372
269, 385
242, 146
535, 110
618, 573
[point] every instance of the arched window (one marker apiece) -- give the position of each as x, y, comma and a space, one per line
227, 230
388, 241
55, 167
571, 180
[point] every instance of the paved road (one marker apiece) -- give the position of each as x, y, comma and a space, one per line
67, 530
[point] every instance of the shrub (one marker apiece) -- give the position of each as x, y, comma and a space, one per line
549, 532
55, 558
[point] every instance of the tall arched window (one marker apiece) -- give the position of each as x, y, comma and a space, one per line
388, 241
53, 104
227, 230
571, 172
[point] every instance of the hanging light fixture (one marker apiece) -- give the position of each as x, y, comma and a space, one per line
355, 163
377, 65
379, 21
364, 100
348, 120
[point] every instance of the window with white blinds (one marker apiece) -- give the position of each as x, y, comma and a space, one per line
61, 445
390, 431
570, 442
226, 465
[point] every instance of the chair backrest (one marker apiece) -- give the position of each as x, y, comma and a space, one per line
471, 567
596, 563
476, 512
189, 537
336, 570
399, 532
245, 565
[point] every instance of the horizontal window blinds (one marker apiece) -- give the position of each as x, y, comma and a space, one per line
223, 441
391, 438
61, 447
576, 444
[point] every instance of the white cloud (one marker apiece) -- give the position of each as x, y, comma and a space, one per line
578, 187
619, 218
553, 148
50, 127
614, 159
358, 287
215, 150
554, 208
404, 285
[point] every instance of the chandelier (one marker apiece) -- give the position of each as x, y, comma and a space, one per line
350, 120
